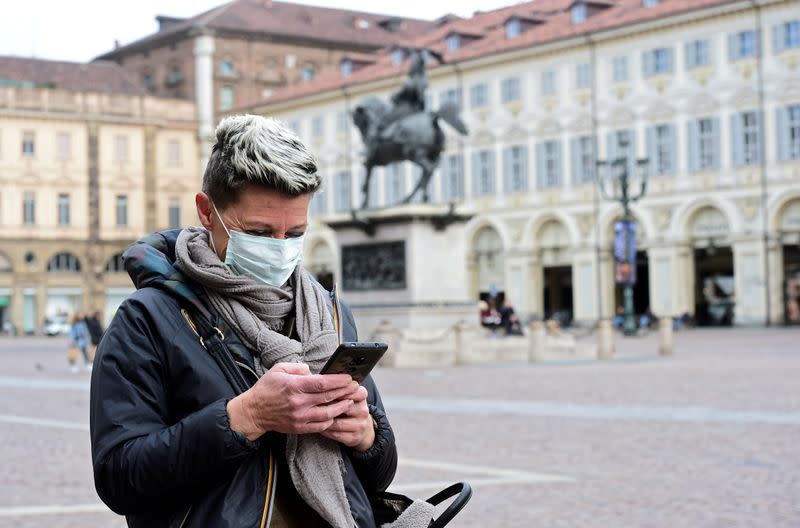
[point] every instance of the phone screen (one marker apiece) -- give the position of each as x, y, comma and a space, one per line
356, 359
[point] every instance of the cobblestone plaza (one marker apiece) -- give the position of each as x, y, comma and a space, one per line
706, 438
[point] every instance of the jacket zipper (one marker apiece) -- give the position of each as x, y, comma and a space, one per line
186, 517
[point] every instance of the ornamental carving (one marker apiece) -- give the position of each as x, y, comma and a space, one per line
749, 208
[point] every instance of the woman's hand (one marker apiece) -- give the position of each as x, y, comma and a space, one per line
355, 428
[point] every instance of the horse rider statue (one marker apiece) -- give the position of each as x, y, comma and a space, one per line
405, 130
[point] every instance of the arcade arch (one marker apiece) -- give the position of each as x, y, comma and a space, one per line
708, 230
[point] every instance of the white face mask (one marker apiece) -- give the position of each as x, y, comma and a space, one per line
268, 260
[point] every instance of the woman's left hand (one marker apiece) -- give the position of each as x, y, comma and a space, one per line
354, 428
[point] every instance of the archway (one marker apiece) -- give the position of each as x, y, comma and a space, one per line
321, 264
552, 240
714, 279
790, 248
490, 262
66, 296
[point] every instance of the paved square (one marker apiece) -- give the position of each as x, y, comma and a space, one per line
707, 438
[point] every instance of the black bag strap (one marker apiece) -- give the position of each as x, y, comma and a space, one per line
213, 340
462, 492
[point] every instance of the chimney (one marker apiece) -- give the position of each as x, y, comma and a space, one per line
116, 44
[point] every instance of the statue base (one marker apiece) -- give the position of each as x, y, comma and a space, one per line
405, 277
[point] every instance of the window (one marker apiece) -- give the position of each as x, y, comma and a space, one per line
650, 3
745, 136
395, 183
121, 149
513, 28
227, 96
548, 82
308, 73
319, 204
28, 144
583, 159
173, 153
483, 173
28, 208
620, 67
63, 209
122, 210
657, 61
509, 90
789, 132
148, 82
515, 169
290, 61
342, 121
661, 149
347, 68
344, 192
627, 155
548, 164
453, 178
583, 76
174, 76
579, 13
398, 56
63, 146
453, 41
703, 144
742, 45
479, 95
116, 264
451, 96
64, 263
786, 36
294, 126
174, 213
318, 126
697, 54
226, 67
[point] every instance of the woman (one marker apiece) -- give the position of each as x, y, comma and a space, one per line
172, 442
79, 338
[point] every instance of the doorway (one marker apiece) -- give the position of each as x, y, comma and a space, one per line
641, 290
791, 284
558, 294
714, 286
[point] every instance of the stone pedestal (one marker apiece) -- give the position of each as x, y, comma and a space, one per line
665, 344
605, 340
404, 268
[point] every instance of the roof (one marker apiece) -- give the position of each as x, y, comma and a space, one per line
556, 24
284, 19
105, 77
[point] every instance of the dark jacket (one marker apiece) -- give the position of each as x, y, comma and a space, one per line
162, 448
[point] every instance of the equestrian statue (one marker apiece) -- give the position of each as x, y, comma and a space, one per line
404, 130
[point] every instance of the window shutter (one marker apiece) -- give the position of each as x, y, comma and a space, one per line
647, 63
778, 38
673, 151
689, 56
475, 173
652, 151
575, 160
507, 170
491, 161
523, 168
670, 61
760, 122
783, 133
715, 129
737, 140
611, 147
593, 169
693, 147
733, 49
631, 154
540, 166
757, 37
558, 164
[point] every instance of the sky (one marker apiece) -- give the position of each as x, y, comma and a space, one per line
79, 30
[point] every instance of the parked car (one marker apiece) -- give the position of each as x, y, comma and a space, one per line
56, 325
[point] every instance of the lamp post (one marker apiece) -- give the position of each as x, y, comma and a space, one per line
618, 174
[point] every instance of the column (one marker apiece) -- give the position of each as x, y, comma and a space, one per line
663, 281
584, 285
750, 282
204, 93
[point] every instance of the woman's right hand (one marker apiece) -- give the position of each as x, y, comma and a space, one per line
289, 399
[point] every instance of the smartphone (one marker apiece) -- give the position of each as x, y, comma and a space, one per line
357, 359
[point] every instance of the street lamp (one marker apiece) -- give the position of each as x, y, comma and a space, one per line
614, 179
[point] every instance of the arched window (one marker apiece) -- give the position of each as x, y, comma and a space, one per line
115, 264
227, 97
64, 263
5, 264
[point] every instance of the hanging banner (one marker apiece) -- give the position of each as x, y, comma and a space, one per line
625, 252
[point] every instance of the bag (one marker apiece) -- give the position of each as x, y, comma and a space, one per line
73, 353
386, 507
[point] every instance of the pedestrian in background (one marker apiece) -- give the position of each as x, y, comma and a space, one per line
95, 327
79, 338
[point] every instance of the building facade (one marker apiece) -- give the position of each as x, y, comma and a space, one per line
708, 91
242, 51
88, 164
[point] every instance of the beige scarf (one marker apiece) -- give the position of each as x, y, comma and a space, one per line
257, 313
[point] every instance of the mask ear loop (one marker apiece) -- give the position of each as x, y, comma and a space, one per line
210, 235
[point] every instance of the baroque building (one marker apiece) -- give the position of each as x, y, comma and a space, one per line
708, 91
89, 162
